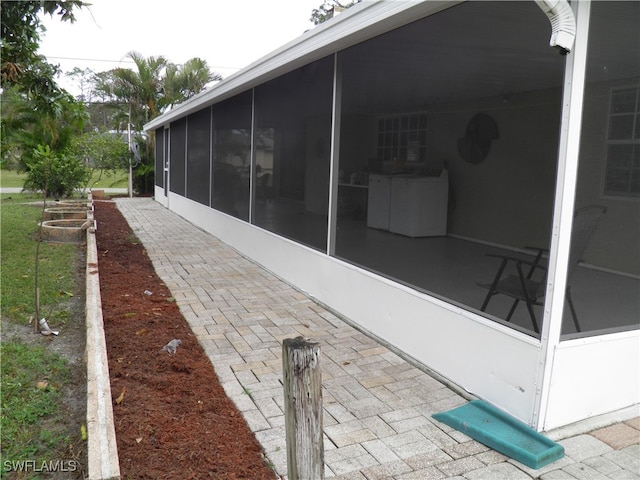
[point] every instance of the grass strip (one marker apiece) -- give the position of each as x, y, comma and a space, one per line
19, 225
32, 378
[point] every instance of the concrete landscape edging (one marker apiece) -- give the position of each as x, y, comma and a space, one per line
103, 463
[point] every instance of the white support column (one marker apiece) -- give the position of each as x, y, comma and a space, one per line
167, 163
186, 156
211, 159
335, 157
568, 156
252, 161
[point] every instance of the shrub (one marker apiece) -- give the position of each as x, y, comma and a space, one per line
55, 174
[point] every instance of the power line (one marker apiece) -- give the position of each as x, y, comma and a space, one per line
123, 61
90, 59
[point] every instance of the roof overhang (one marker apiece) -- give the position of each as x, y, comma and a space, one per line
365, 20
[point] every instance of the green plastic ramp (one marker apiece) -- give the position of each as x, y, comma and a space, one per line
503, 433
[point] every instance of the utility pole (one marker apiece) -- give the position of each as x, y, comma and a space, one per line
130, 153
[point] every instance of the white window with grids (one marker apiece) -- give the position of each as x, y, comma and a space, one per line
622, 168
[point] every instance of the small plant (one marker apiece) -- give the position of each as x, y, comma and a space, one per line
133, 239
268, 462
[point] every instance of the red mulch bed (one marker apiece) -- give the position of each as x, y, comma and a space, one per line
172, 417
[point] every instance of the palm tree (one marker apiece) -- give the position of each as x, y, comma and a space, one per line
184, 81
153, 86
157, 84
141, 88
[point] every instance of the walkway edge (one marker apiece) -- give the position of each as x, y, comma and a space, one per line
103, 463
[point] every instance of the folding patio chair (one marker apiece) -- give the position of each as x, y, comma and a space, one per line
529, 282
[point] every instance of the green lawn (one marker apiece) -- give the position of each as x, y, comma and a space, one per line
19, 221
32, 379
33, 376
119, 179
11, 178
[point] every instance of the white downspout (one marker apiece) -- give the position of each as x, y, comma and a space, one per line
563, 24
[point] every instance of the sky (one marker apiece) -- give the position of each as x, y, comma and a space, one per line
228, 34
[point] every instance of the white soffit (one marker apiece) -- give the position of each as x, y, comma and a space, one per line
365, 20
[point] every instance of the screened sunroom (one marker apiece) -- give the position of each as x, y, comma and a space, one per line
447, 181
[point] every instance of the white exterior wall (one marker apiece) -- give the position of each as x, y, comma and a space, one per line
158, 195
593, 375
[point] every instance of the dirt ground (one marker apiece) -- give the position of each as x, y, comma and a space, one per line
172, 417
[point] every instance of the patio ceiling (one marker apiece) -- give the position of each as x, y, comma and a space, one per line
476, 50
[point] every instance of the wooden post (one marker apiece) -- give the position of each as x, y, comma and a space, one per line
303, 409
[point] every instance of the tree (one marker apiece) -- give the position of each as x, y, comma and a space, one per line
141, 88
107, 112
157, 84
36, 111
183, 82
153, 86
20, 32
327, 10
41, 113
83, 80
102, 151
125, 98
27, 123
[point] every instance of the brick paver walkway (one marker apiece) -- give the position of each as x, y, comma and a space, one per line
377, 407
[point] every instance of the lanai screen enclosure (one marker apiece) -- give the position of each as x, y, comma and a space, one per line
388, 160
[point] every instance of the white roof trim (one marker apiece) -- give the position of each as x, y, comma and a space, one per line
366, 20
